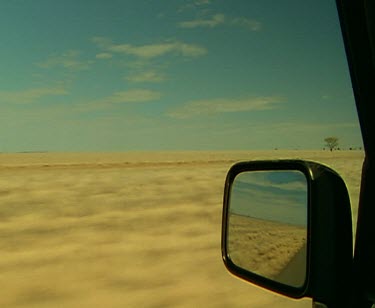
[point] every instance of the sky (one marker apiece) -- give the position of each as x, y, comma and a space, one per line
124, 75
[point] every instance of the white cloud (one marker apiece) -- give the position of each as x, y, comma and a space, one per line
104, 55
157, 50
194, 5
30, 95
221, 19
70, 60
251, 24
147, 76
215, 106
150, 51
135, 96
128, 96
202, 2
212, 22
101, 41
131, 96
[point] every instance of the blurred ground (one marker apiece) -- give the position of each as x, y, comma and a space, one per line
127, 229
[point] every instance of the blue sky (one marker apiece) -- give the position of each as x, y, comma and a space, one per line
173, 75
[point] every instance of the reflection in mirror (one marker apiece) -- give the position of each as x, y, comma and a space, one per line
267, 227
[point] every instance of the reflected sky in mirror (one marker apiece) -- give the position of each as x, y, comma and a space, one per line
279, 196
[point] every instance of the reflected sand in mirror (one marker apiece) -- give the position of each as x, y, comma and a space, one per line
268, 248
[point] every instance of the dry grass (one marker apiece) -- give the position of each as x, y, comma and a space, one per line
126, 229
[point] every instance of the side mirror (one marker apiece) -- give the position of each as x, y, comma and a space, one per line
287, 227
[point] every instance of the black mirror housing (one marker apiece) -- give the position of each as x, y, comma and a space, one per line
329, 240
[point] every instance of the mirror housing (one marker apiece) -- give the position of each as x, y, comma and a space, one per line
329, 242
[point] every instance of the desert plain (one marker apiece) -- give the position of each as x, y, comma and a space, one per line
135, 229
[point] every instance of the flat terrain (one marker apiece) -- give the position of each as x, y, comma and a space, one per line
127, 229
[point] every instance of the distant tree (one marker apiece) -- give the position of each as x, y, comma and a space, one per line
331, 142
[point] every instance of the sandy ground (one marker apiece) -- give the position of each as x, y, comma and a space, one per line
127, 229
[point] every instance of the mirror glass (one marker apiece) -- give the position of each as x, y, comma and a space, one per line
267, 227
